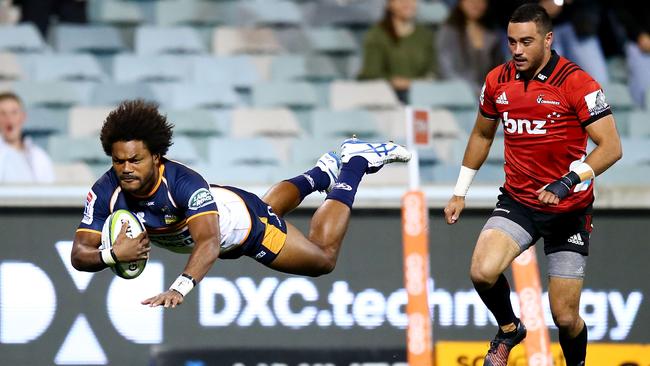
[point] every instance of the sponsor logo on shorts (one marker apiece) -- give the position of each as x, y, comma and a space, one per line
201, 198
576, 239
89, 208
343, 186
260, 255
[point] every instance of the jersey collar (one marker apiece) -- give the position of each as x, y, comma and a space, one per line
161, 171
546, 71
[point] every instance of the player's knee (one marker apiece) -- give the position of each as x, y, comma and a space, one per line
482, 276
566, 320
325, 266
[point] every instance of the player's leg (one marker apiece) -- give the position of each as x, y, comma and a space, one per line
317, 253
285, 196
564, 296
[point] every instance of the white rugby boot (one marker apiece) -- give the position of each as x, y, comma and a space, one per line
377, 154
330, 163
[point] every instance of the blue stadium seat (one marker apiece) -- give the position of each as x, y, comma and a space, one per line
360, 13
66, 149
618, 97
297, 95
199, 122
115, 12
300, 67
268, 13
269, 122
46, 121
10, 68
306, 151
59, 94
238, 71
183, 150
639, 124
256, 151
375, 94
330, 124
21, 38
97, 39
451, 94
62, 67
180, 40
187, 96
228, 41
110, 94
160, 68
433, 13
196, 13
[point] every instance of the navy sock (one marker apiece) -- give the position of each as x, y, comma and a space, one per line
574, 349
497, 299
310, 181
346, 186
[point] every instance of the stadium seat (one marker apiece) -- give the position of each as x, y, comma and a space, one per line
155, 69
452, 94
391, 123
268, 122
496, 154
199, 123
360, 13
297, 95
318, 40
183, 150
300, 67
96, 39
238, 71
115, 12
87, 121
618, 97
189, 95
376, 94
625, 175
46, 121
111, 94
21, 38
78, 173
254, 152
635, 151
305, 151
238, 40
184, 12
179, 40
433, 13
10, 68
330, 124
58, 94
639, 124
443, 124
66, 149
267, 13
62, 67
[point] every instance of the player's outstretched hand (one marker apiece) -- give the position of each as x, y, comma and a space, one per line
547, 197
169, 298
453, 209
131, 249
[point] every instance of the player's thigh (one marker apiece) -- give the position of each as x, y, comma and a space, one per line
493, 253
299, 255
564, 297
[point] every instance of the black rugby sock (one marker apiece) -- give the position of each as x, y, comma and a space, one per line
497, 300
574, 349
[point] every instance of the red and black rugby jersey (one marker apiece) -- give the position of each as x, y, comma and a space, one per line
544, 122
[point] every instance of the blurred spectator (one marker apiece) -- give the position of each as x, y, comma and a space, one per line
575, 28
20, 160
397, 49
635, 18
9, 14
471, 47
40, 12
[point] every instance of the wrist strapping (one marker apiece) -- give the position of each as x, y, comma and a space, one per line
465, 178
583, 168
183, 284
562, 186
107, 256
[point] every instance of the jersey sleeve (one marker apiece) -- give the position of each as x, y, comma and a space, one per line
587, 98
487, 105
96, 208
193, 196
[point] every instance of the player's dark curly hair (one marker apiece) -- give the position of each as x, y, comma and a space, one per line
535, 13
137, 120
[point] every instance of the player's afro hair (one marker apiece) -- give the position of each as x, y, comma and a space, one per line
137, 120
535, 13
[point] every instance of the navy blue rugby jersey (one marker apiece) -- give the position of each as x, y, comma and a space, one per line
179, 196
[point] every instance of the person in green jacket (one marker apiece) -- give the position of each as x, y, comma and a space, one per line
399, 50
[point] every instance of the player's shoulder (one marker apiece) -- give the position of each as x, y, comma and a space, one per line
568, 75
176, 172
501, 74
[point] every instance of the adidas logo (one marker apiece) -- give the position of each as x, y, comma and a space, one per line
502, 99
576, 239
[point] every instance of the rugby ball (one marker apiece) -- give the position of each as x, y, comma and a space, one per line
111, 230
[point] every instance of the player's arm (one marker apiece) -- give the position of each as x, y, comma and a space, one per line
204, 229
86, 256
608, 150
477, 150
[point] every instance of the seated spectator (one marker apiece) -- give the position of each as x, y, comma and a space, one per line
20, 160
635, 18
575, 28
40, 12
471, 47
397, 49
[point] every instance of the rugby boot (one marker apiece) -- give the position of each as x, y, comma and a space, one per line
377, 154
330, 163
501, 345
